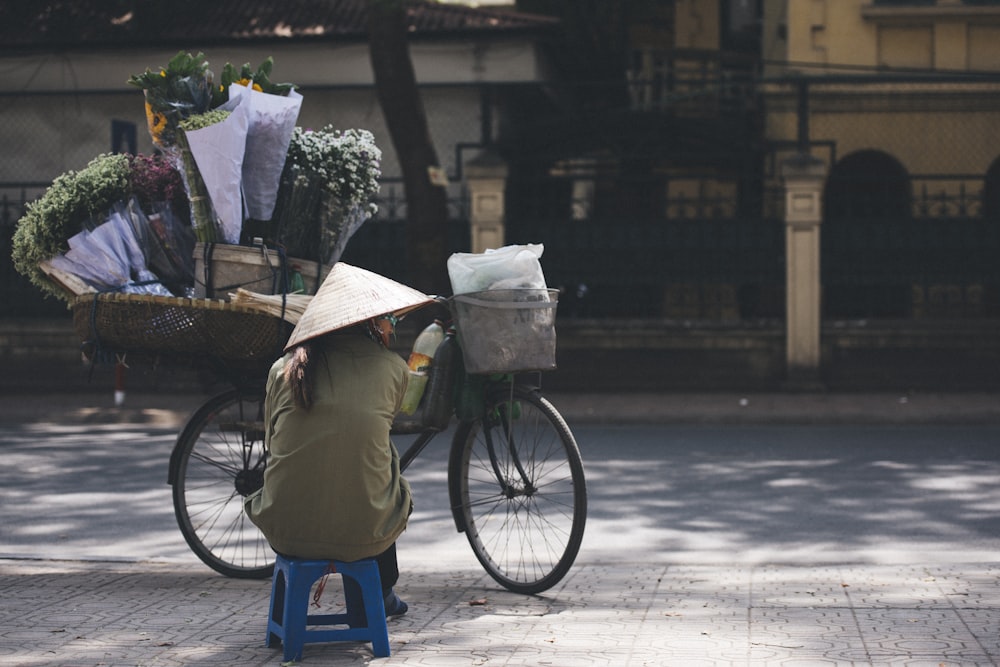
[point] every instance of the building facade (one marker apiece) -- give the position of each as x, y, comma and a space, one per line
772, 186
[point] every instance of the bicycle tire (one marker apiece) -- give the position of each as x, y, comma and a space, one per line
218, 460
521, 500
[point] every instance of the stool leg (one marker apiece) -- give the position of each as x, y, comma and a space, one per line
276, 613
296, 608
355, 602
375, 610
366, 580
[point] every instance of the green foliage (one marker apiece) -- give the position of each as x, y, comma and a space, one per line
171, 86
594, 40
179, 90
246, 76
203, 120
73, 199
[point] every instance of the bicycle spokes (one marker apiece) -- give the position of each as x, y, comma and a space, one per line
503, 454
220, 461
521, 492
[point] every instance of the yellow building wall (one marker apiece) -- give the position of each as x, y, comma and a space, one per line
925, 142
969, 142
696, 24
984, 47
948, 36
917, 126
828, 32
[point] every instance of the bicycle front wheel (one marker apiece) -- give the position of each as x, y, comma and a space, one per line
218, 460
518, 481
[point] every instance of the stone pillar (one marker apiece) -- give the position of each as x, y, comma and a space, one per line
803, 177
486, 178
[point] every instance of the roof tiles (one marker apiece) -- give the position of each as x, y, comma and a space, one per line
79, 23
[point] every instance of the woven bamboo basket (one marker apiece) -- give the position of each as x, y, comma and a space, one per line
179, 328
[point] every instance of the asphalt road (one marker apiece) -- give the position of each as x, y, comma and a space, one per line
750, 493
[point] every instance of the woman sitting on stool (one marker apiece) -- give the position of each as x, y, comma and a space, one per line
332, 487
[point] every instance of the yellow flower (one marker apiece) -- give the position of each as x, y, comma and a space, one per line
156, 122
246, 82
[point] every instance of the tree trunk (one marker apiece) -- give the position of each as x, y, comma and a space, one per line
426, 203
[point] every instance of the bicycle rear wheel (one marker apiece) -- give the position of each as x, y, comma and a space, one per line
218, 460
518, 482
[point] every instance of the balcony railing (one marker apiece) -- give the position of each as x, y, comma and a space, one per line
691, 82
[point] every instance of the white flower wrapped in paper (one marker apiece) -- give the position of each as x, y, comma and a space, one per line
218, 150
271, 121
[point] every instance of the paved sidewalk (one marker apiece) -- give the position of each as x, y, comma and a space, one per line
74, 614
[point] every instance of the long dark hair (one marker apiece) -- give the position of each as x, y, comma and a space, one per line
299, 372
300, 369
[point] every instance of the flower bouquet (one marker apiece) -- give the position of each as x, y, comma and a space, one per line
272, 109
116, 239
183, 88
173, 94
111, 257
327, 186
160, 198
109, 239
212, 147
68, 224
228, 140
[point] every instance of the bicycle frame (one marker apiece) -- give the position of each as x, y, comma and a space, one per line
516, 484
407, 457
424, 438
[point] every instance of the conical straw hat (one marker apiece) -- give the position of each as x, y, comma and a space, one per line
351, 295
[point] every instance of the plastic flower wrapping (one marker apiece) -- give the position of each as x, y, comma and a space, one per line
183, 88
212, 148
117, 223
114, 255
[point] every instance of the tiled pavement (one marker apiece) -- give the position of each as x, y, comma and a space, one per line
77, 614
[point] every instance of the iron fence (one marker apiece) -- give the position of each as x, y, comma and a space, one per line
680, 215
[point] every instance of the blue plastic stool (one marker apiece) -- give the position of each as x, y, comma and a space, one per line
289, 615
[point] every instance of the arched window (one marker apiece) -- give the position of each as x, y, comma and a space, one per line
867, 184
866, 226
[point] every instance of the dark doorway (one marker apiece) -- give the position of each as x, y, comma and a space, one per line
866, 211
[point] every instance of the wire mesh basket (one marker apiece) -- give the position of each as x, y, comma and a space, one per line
507, 330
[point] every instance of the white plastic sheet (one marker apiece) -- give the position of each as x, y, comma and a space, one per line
509, 267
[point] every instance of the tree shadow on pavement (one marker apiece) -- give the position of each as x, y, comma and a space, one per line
794, 494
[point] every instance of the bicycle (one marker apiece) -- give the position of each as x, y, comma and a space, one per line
515, 475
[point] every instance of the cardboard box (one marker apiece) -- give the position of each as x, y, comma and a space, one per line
221, 268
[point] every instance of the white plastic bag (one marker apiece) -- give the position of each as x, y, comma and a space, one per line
509, 267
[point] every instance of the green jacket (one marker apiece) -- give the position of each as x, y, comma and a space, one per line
332, 488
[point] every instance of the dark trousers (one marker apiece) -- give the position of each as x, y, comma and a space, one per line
388, 568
